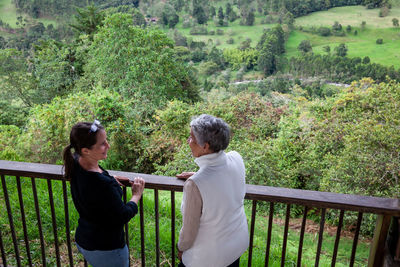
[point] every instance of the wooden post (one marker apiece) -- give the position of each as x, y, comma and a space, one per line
376, 253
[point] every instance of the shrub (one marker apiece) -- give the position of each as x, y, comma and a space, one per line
48, 126
208, 68
230, 41
9, 135
324, 31
198, 30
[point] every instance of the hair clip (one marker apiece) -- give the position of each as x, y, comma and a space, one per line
95, 126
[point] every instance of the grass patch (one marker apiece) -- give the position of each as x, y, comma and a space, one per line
360, 45
237, 32
8, 12
349, 15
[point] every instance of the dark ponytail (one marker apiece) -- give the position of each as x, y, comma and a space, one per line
68, 161
82, 136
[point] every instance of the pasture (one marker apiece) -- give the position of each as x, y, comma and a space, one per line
360, 45
9, 14
237, 32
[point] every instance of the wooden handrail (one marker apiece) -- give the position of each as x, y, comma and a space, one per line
309, 198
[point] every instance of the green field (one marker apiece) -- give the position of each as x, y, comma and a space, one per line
9, 14
361, 45
237, 32
349, 15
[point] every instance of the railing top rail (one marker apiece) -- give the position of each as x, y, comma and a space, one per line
309, 198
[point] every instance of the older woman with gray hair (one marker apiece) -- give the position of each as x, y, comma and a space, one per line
214, 229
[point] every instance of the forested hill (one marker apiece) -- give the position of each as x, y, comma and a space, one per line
43, 8
39, 8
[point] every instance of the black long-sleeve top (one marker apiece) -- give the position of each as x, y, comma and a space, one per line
102, 213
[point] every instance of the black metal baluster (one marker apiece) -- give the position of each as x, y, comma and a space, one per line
303, 227
157, 227
320, 237
142, 247
21, 205
338, 231
173, 227
355, 241
54, 222
252, 223
67, 230
285, 234
3, 254
39, 221
10, 220
270, 221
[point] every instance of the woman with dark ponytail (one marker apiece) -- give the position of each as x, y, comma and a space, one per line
97, 197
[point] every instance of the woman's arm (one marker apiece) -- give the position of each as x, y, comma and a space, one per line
192, 208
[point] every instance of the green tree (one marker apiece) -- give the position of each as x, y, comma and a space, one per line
87, 20
199, 14
341, 50
363, 25
213, 12
221, 16
250, 18
138, 64
305, 46
53, 70
15, 83
228, 9
327, 49
395, 22
267, 58
337, 26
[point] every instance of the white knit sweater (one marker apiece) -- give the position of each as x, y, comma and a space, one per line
223, 232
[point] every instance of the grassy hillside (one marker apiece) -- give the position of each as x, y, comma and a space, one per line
237, 32
349, 15
360, 45
9, 14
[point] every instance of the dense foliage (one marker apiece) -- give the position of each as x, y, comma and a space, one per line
340, 69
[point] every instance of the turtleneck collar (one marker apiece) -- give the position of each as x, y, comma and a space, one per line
213, 159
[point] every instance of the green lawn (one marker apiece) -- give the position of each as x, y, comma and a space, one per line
360, 45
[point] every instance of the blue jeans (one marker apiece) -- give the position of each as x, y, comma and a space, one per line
106, 258
233, 264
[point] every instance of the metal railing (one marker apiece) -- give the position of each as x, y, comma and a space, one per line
14, 172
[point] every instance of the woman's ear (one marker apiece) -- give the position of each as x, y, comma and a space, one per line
207, 147
85, 151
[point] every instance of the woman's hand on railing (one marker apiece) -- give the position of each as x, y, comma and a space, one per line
137, 186
121, 180
184, 175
